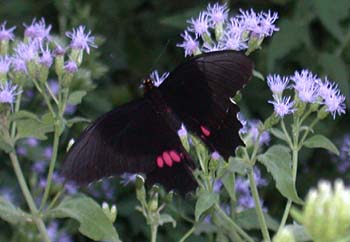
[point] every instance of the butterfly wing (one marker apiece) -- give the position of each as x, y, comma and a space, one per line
199, 92
131, 138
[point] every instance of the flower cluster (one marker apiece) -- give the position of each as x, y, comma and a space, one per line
309, 89
214, 30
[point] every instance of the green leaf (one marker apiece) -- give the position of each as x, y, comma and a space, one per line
76, 97
238, 166
331, 13
320, 141
33, 128
278, 134
166, 218
75, 120
277, 160
229, 183
248, 219
7, 148
93, 222
299, 232
10, 213
204, 202
23, 115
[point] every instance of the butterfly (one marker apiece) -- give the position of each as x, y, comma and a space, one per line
141, 136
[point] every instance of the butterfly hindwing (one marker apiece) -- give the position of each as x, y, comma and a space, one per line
131, 138
199, 92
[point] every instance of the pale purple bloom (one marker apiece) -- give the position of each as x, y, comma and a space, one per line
71, 67
303, 79
251, 129
18, 64
260, 24
215, 155
70, 109
32, 142
8, 92
259, 180
5, 62
191, 45
199, 26
27, 51
46, 58
210, 48
81, 40
282, 106
217, 13
326, 88
39, 167
182, 132
48, 152
277, 83
267, 23
52, 231
157, 79
54, 86
59, 50
235, 27
217, 186
6, 34
127, 178
37, 30
250, 20
233, 42
335, 103
309, 93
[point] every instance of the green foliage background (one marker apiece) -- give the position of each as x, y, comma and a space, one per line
137, 36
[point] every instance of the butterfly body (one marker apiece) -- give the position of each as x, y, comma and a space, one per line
141, 136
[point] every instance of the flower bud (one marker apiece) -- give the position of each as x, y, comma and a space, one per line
111, 213
322, 113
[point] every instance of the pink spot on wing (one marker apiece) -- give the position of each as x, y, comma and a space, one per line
160, 162
175, 156
167, 159
205, 130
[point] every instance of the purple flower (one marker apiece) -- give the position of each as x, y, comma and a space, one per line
277, 83
251, 128
282, 106
250, 20
8, 92
39, 167
81, 40
266, 23
261, 24
304, 79
326, 88
335, 103
209, 48
71, 67
260, 181
46, 58
157, 79
59, 50
127, 178
6, 34
233, 42
5, 62
190, 45
37, 30
70, 109
182, 132
215, 155
32, 142
27, 52
52, 231
217, 13
18, 64
48, 152
54, 86
235, 27
217, 186
199, 26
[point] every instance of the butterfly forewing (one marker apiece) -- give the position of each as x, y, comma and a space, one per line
199, 92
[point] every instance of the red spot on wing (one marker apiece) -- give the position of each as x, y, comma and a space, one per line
160, 162
175, 156
167, 159
205, 131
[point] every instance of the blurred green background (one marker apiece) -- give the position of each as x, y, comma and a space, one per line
138, 36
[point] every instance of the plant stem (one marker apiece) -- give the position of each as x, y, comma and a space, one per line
17, 106
28, 197
52, 164
188, 234
154, 230
258, 209
232, 224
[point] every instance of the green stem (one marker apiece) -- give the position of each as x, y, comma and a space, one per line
52, 164
258, 208
188, 234
17, 106
232, 224
28, 197
314, 122
154, 230
51, 93
289, 140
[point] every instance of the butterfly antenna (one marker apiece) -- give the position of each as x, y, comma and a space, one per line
159, 56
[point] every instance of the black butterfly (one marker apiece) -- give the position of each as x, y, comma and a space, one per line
141, 136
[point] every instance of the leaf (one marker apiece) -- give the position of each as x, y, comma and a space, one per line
248, 219
229, 184
278, 134
331, 13
7, 148
320, 141
75, 120
93, 222
204, 202
33, 128
23, 115
277, 160
238, 166
10, 213
167, 218
76, 97
299, 232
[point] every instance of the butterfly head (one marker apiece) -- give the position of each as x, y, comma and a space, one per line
147, 84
